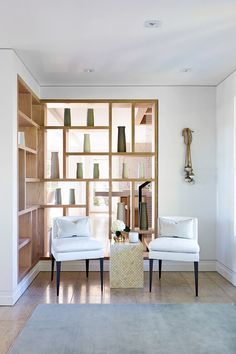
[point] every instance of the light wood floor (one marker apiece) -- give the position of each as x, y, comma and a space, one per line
174, 287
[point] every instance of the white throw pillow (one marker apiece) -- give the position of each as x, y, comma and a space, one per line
79, 227
176, 228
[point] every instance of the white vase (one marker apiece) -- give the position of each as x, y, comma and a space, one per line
58, 196
86, 143
121, 212
125, 173
72, 196
55, 174
21, 138
133, 237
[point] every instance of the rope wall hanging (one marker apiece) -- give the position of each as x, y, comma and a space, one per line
188, 168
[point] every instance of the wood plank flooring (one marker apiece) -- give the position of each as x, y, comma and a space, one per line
174, 287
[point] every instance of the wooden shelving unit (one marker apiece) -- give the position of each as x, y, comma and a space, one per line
30, 171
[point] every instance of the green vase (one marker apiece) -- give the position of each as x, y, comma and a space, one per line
58, 196
79, 171
71, 196
96, 170
86, 142
143, 216
67, 117
90, 117
121, 142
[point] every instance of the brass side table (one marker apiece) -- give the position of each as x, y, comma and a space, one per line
126, 265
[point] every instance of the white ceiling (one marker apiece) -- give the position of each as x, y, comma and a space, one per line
58, 39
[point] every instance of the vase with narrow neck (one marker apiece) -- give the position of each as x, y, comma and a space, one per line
79, 170
71, 196
58, 196
55, 174
125, 173
121, 212
67, 117
90, 117
121, 141
143, 216
86, 142
96, 170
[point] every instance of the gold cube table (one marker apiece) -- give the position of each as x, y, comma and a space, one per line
126, 265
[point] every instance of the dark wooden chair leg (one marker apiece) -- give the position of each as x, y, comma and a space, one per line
196, 277
101, 272
87, 268
150, 274
160, 265
58, 276
52, 268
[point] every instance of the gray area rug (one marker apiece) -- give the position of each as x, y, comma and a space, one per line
118, 329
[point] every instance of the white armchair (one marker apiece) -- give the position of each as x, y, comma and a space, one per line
71, 241
177, 241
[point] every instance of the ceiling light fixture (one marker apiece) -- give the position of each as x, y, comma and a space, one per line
89, 70
152, 24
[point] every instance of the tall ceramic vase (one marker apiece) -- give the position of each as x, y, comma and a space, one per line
79, 170
72, 196
58, 196
96, 170
90, 117
67, 117
121, 141
143, 216
55, 165
125, 173
86, 143
121, 211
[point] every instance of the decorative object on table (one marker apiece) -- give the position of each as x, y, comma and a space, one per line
21, 138
121, 141
79, 170
188, 168
96, 170
125, 173
141, 170
121, 211
58, 196
125, 232
67, 117
71, 196
143, 216
133, 237
90, 117
86, 142
117, 227
55, 174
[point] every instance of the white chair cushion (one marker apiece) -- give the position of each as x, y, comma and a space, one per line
69, 228
76, 244
175, 228
171, 244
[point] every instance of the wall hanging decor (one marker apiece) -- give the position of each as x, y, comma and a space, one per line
55, 174
96, 170
71, 196
67, 117
188, 168
90, 117
86, 142
121, 141
125, 172
58, 196
79, 170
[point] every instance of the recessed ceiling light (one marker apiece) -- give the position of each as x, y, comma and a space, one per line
152, 23
89, 70
186, 70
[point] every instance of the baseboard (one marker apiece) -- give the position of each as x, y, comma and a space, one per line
73, 266
226, 272
9, 299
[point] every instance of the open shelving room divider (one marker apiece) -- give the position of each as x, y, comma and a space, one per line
43, 125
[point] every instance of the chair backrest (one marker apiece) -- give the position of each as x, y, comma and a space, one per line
69, 218
179, 218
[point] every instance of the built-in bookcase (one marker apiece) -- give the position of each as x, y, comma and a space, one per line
30, 174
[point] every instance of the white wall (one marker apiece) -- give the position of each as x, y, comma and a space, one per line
10, 66
179, 107
226, 226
